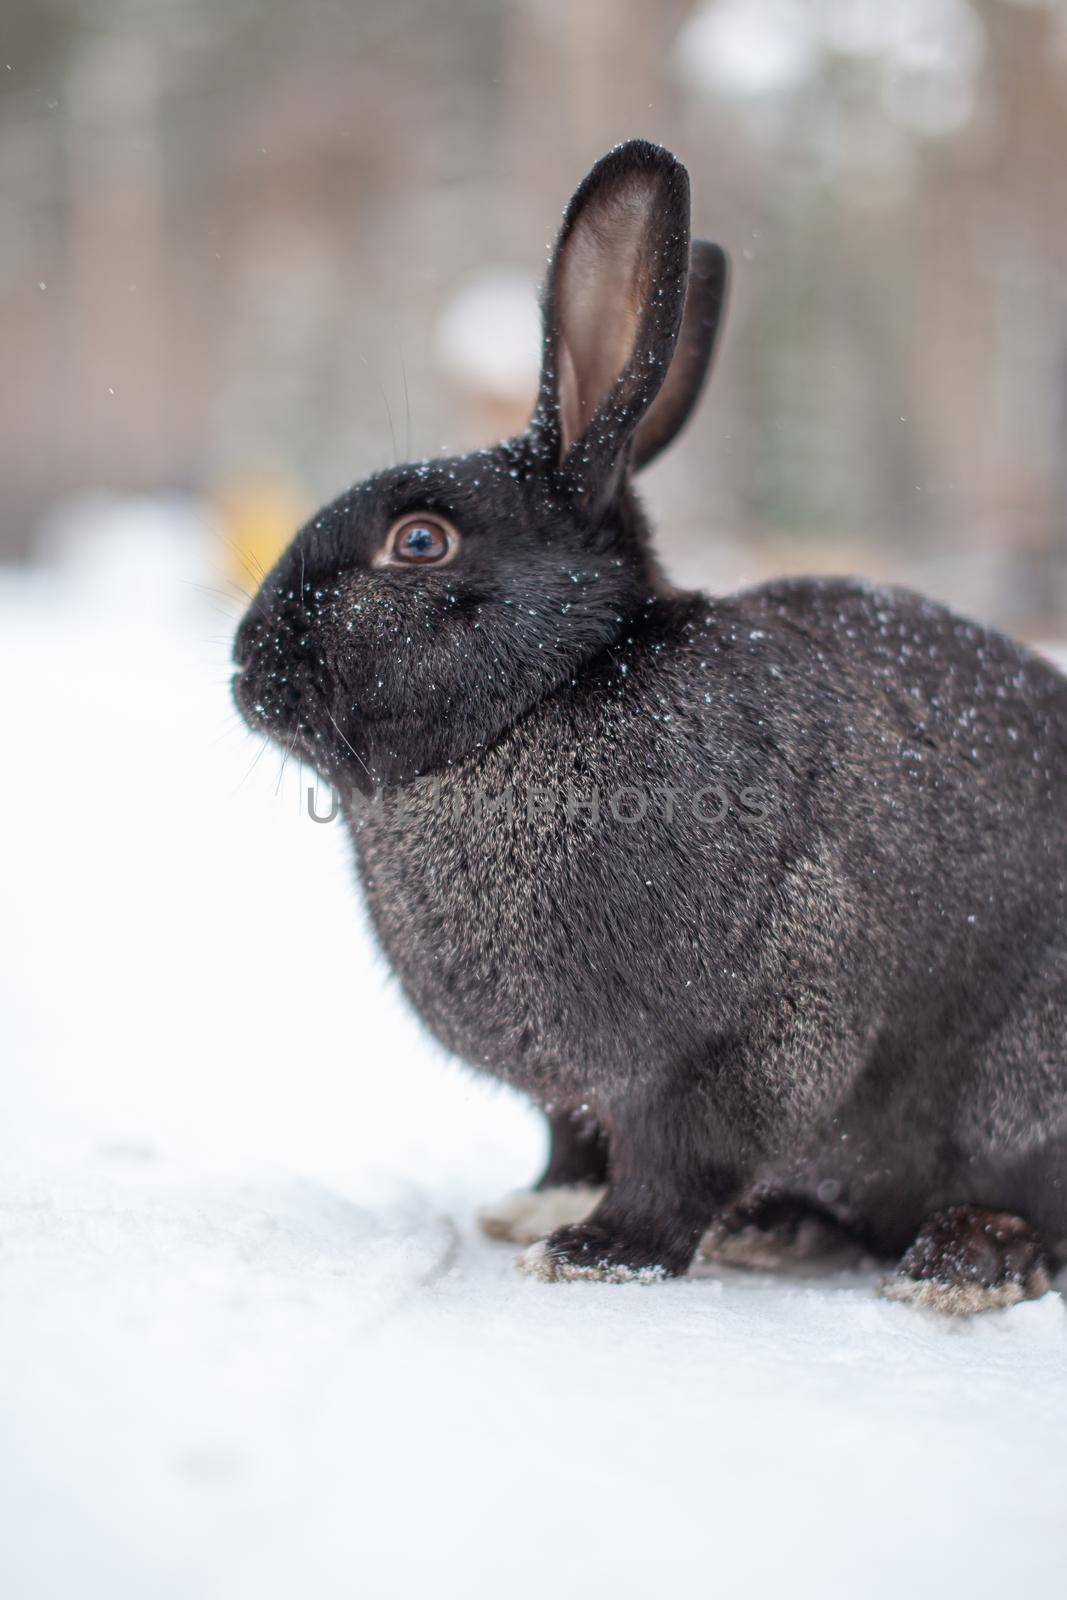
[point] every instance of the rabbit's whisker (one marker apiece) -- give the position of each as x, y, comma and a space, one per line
358, 757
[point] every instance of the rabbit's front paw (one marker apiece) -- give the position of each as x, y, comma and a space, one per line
586, 1251
967, 1260
530, 1214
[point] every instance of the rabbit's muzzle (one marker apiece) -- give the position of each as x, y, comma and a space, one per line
275, 685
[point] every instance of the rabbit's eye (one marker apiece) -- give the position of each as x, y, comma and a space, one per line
419, 541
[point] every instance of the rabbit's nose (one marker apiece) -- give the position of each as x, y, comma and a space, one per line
274, 683
270, 625
243, 641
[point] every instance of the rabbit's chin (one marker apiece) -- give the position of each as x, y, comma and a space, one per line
312, 737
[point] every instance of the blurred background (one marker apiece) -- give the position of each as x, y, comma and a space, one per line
251, 250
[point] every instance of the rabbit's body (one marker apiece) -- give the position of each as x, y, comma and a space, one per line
857, 986
757, 897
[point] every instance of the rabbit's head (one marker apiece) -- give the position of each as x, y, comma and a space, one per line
427, 609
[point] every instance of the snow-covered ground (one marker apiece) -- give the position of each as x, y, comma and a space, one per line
251, 1341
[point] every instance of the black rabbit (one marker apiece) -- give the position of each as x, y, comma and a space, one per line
761, 898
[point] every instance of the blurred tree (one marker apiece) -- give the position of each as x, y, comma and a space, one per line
230, 231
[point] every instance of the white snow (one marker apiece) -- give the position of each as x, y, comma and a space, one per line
251, 1341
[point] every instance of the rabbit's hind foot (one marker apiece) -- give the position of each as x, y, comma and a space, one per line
967, 1260
778, 1233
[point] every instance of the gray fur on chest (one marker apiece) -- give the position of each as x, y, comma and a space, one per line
507, 896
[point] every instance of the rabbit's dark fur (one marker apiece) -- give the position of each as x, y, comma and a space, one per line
756, 895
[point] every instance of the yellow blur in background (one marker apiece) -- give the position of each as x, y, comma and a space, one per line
256, 518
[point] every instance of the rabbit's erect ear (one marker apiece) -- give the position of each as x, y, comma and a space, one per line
705, 301
613, 307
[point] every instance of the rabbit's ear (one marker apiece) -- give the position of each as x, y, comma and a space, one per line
705, 301
612, 308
